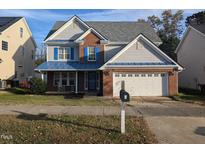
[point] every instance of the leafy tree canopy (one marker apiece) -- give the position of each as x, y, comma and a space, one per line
169, 27
196, 18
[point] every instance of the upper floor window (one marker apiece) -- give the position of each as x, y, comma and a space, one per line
21, 32
64, 53
91, 54
4, 45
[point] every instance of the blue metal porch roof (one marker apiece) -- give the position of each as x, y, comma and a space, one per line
64, 65
140, 64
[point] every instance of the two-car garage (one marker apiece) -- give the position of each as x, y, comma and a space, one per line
144, 68
141, 84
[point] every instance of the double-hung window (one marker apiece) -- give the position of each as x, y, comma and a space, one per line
4, 45
64, 53
91, 54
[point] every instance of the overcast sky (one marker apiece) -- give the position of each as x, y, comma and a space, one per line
41, 21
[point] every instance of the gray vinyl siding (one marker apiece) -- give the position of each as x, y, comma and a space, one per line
191, 56
50, 52
146, 54
72, 32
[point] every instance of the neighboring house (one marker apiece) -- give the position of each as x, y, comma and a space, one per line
17, 51
96, 56
191, 55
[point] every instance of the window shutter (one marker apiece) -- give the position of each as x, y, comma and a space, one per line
97, 51
55, 53
85, 54
72, 53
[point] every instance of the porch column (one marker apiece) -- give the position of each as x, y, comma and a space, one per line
76, 82
42, 76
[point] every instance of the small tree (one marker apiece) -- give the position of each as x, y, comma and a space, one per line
39, 61
40, 55
38, 86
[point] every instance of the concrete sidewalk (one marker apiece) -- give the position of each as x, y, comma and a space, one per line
66, 110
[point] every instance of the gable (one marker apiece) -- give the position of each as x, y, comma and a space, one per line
140, 52
132, 58
14, 27
191, 51
71, 32
91, 38
189, 30
6, 22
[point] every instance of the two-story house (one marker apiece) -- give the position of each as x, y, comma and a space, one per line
97, 56
17, 51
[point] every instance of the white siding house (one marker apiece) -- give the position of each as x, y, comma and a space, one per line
191, 55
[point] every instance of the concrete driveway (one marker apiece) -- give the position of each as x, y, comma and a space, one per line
173, 122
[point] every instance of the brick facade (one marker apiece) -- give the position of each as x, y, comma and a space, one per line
107, 83
91, 40
173, 83
108, 79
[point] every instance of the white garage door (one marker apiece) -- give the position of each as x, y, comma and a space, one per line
141, 84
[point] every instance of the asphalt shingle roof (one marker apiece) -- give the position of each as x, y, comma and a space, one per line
6, 22
117, 31
200, 27
62, 65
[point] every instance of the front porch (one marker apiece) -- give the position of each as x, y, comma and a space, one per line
78, 82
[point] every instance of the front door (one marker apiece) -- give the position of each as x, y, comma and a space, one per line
91, 80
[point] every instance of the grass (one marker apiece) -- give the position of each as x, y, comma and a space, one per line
72, 129
190, 96
7, 98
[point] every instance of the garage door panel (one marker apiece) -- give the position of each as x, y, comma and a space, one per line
141, 85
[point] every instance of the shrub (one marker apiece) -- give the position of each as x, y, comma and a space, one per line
19, 91
37, 86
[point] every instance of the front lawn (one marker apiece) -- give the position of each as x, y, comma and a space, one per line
26, 128
7, 98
